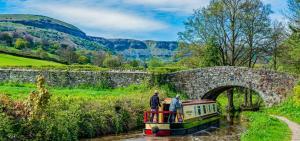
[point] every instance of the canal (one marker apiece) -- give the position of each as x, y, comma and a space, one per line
230, 129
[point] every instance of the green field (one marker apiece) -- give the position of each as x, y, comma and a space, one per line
9, 60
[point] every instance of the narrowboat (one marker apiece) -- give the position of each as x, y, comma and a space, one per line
193, 116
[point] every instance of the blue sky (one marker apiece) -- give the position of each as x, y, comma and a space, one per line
137, 19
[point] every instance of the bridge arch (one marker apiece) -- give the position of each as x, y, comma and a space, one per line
208, 83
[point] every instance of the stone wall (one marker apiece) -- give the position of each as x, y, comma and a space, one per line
205, 83
208, 83
75, 78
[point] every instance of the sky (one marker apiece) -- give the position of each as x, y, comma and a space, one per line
132, 19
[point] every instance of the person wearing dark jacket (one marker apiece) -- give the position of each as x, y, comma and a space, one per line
154, 104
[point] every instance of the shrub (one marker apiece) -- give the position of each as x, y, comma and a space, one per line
6, 128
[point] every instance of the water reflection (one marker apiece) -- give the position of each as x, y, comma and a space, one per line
231, 128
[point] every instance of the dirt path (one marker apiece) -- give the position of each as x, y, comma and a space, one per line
295, 128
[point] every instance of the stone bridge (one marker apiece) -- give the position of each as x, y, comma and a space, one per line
208, 83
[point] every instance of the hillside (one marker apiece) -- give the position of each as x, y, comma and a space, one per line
9, 60
42, 28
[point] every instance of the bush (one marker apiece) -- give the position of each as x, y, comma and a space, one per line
6, 128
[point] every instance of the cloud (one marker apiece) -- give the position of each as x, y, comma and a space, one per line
185, 6
96, 17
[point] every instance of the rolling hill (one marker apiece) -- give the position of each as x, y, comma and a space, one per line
42, 28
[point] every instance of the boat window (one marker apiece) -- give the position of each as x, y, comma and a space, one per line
214, 107
204, 109
199, 110
209, 109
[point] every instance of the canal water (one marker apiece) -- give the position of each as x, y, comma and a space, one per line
230, 129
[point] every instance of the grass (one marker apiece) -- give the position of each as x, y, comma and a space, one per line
9, 60
263, 127
290, 108
21, 91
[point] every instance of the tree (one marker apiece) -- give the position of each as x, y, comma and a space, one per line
290, 58
112, 62
155, 62
6, 38
41, 53
83, 59
21, 44
134, 63
294, 15
227, 22
98, 58
278, 36
68, 54
237, 27
256, 29
29, 40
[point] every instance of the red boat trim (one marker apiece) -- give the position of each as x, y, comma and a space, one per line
159, 133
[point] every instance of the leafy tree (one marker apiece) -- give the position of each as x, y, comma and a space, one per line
294, 15
277, 50
237, 27
6, 38
112, 62
155, 62
290, 59
29, 40
21, 44
98, 58
256, 29
68, 54
42, 53
134, 63
83, 59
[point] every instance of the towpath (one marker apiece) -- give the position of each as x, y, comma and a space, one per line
295, 128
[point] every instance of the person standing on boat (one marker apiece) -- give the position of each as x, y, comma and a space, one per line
154, 104
174, 106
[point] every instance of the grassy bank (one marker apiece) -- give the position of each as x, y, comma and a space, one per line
260, 125
290, 108
9, 60
263, 127
73, 113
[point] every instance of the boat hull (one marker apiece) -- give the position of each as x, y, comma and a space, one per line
166, 129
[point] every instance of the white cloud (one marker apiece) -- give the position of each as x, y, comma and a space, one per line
97, 17
186, 6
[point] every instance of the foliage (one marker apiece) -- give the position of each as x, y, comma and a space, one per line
293, 15
112, 62
38, 101
263, 127
155, 62
21, 44
86, 112
6, 127
237, 28
238, 99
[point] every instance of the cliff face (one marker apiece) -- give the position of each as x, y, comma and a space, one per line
45, 28
135, 49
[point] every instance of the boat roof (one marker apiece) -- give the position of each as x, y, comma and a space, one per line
191, 101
